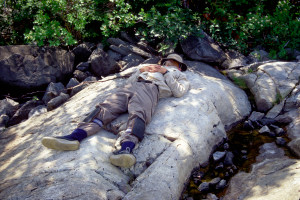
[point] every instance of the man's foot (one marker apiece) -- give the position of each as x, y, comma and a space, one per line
60, 143
122, 158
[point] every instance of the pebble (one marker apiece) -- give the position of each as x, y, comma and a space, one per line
218, 155
226, 146
214, 181
248, 125
280, 141
228, 161
279, 131
211, 196
221, 185
220, 166
264, 129
244, 151
204, 187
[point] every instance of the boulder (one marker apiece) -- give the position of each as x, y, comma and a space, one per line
173, 146
52, 91
82, 52
83, 66
57, 101
276, 177
8, 107
3, 120
79, 75
293, 101
270, 82
22, 113
102, 64
293, 128
234, 59
202, 49
30, 66
294, 146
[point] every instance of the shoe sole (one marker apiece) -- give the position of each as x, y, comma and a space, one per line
122, 160
60, 144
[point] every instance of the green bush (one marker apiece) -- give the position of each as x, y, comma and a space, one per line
235, 24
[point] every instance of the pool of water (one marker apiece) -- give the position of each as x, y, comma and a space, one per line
245, 147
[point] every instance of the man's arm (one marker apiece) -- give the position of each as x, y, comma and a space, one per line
177, 82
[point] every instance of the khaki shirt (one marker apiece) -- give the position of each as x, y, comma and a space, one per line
174, 83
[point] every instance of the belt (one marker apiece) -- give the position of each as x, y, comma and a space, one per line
140, 79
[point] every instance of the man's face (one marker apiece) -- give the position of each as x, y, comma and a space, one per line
172, 63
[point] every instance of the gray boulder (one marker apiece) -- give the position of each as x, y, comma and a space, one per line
234, 59
22, 113
57, 101
102, 64
8, 107
3, 120
30, 66
52, 91
275, 177
173, 146
202, 49
270, 82
82, 52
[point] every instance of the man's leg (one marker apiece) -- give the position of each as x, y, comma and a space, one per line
105, 112
140, 108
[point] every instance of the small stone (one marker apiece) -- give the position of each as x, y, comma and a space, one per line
226, 146
73, 82
266, 121
79, 75
221, 185
220, 166
294, 146
264, 129
214, 181
83, 66
279, 132
272, 134
244, 151
3, 120
280, 141
218, 155
257, 124
57, 101
244, 157
256, 116
227, 174
211, 196
204, 187
248, 125
228, 159
234, 167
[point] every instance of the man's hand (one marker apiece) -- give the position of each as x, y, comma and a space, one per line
153, 68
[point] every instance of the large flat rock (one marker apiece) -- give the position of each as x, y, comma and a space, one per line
183, 133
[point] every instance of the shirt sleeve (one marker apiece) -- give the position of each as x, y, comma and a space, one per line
177, 82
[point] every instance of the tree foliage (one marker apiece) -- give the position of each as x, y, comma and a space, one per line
236, 24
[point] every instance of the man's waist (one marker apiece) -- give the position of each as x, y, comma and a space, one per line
140, 79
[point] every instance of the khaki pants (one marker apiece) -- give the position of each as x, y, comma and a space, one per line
138, 99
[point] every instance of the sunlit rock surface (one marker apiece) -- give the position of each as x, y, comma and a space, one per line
183, 133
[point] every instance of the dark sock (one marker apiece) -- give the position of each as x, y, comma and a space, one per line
77, 134
127, 144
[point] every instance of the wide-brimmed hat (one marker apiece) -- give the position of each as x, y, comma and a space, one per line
177, 58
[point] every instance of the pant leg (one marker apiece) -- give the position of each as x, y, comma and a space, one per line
141, 106
110, 109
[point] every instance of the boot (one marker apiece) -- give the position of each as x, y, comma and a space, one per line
60, 143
